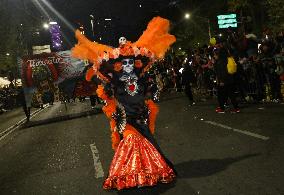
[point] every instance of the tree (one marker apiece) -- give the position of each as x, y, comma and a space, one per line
251, 12
183, 34
16, 19
276, 14
7, 38
260, 11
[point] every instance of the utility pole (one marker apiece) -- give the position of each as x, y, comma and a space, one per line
209, 30
92, 25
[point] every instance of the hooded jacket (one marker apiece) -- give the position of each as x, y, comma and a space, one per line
221, 68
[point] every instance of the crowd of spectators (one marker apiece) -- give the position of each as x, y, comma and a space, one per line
259, 76
260, 67
9, 98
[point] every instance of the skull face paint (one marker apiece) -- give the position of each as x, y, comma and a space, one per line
128, 65
128, 77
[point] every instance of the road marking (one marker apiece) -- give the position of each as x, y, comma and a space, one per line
238, 130
12, 128
99, 172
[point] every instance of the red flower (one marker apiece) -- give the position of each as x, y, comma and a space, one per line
118, 66
131, 87
138, 64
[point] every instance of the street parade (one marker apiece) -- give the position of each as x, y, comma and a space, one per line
142, 97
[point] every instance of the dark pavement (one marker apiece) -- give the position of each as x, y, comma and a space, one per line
213, 153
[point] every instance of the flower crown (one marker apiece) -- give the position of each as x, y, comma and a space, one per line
126, 50
152, 45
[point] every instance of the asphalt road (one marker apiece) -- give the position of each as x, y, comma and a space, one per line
68, 151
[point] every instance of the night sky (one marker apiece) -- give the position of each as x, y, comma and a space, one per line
129, 17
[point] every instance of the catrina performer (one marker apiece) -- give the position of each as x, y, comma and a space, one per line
138, 160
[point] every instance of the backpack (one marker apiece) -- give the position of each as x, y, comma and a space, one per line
231, 66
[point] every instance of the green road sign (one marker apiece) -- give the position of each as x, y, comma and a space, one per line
226, 21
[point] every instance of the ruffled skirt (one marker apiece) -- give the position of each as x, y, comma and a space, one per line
137, 163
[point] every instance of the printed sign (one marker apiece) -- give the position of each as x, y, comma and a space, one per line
43, 73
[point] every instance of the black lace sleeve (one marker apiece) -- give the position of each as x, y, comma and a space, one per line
120, 117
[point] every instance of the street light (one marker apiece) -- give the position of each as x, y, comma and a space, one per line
187, 16
92, 24
45, 25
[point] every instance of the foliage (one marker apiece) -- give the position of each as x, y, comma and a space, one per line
234, 5
191, 33
276, 14
8, 39
15, 19
262, 12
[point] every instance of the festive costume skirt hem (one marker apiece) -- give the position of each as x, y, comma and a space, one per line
137, 180
137, 163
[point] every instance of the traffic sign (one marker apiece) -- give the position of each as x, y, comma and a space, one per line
228, 20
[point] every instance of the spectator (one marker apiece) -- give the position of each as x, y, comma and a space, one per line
251, 44
187, 79
225, 81
21, 98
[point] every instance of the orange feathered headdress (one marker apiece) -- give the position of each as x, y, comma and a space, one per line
153, 44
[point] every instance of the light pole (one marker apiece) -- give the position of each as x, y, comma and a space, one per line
92, 25
208, 22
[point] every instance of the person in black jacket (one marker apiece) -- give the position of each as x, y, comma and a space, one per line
225, 81
21, 98
188, 78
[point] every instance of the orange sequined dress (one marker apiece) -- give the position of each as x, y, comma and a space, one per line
137, 163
